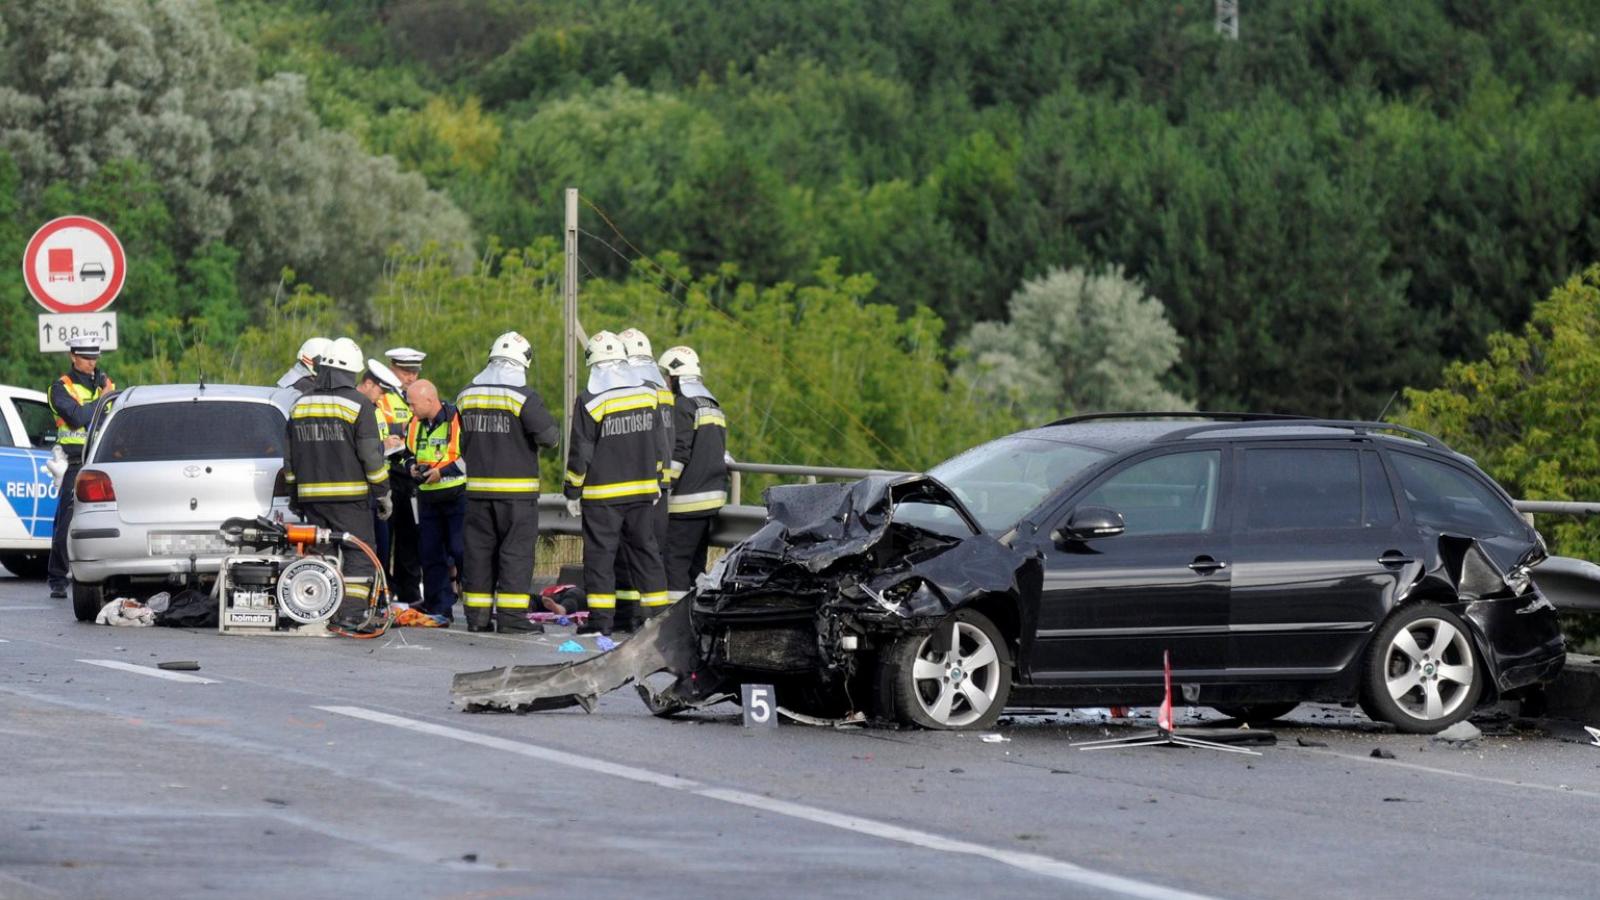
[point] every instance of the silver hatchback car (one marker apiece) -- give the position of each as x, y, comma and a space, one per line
165, 465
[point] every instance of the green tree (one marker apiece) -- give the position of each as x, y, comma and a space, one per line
1529, 411
237, 160
1075, 342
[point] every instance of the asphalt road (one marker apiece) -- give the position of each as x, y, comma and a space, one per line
337, 768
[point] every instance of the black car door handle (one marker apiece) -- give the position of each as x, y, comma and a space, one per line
1205, 565
1395, 558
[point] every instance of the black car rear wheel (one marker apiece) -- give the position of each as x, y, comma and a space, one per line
87, 599
964, 687
1421, 673
1257, 712
26, 565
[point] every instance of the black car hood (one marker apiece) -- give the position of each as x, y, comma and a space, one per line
816, 525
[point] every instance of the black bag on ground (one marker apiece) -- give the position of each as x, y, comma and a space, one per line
190, 609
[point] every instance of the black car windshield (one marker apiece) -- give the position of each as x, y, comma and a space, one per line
1000, 482
215, 429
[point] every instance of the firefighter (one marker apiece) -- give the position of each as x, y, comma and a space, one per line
641, 362
434, 439
375, 383
334, 463
503, 425
302, 376
401, 557
72, 398
614, 472
699, 470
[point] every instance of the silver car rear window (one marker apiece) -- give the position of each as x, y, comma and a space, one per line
213, 429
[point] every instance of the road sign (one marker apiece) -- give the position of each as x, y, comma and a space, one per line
74, 265
55, 329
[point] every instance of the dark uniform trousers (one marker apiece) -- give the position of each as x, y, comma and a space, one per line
630, 609
355, 518
404, 559
607, 530
498, 582
58, 569
688, 542
442, 545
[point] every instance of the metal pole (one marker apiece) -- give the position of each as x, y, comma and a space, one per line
569, 314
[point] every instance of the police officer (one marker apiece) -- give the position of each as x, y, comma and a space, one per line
699, 470
302, 376
407, 365
401, 557
641, 362
72, 398
334, 462
503, 424
614, 472
434, 439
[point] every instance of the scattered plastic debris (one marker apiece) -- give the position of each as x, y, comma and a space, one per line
1594, 733
158, 604
1380, 753
1459, 733
995, 739
850, 721
604, 643
1307, 742
180, 665
571, 647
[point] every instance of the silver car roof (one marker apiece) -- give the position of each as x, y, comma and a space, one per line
145, 395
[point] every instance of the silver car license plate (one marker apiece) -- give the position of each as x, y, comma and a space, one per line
183, 543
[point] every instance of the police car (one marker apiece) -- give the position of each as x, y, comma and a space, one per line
27, 432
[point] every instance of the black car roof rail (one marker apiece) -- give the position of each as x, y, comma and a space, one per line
1190, 414
1355, 426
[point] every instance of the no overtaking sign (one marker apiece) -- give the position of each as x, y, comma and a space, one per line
74, 267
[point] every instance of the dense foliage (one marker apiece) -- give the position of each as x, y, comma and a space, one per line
1329, 209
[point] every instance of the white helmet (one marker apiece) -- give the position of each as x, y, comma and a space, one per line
512, 347
344, 355
604, 347
681, 361
635, 344
313, 348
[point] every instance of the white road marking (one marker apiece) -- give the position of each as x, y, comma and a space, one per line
1486, 779
149, 670
26, 608
1028, 862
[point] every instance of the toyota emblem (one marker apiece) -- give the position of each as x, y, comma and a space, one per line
191, 471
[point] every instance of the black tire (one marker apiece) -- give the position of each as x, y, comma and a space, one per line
913, 700
1257, 712
87, 599
1419, 661
26, 565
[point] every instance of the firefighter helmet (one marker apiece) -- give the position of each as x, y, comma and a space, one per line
681, 361
344, 355
512, 347
604, 347
313, 348
635, 344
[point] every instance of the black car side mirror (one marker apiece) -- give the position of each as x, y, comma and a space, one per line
1090, 522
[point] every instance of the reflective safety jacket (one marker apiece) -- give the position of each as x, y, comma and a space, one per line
72, 398
436, 443
699, 458
619, 449
502, 429
396, 412
334, 453
664, 400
